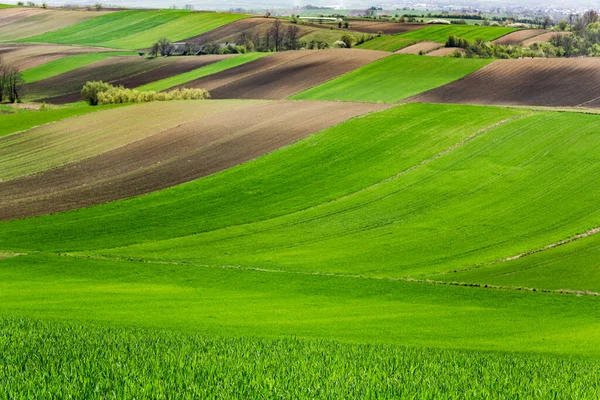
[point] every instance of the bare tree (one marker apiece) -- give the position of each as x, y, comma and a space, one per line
165, 47
590, 17
2, 79
292, 35
13, 84
276, 33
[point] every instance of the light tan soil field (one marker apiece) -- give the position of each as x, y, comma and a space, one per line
20, 23
444, 51
425, 46
553, 82
288, 74
544, 37
217, 136
517, 37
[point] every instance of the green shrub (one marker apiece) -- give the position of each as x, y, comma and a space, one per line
92, 89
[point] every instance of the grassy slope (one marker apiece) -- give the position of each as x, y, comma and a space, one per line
66, 64
234, 302
136, 29
288, 180
10, 123
387, 43
153, 363
439, 33
571, 266
167, 83
393, 78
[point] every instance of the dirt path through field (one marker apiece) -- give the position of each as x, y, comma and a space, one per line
183, 153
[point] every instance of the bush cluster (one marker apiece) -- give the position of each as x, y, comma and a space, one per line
99, 92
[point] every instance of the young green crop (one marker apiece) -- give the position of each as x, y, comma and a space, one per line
234, 302
393, 78
59, 360
386, 43
136, 29
440, 33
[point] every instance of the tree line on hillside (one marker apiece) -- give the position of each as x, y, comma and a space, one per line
279, 37
583, 40
11, 83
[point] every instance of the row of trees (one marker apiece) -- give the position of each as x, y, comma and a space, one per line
98, 92
11, 83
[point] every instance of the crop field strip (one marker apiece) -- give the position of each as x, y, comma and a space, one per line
393, 78
20, 23
232, 29
181, 79
544, 37
128, 71
439, 33
25, 56
386, 43
388, 28
187, 151
281, 75
525, 82
137, 29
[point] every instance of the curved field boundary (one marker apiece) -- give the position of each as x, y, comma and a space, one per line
26, 56
515, 38
20, 23
544, 37
137, 29
425, 47
187, 151
527, 82
393, 78
310, 69
53, 145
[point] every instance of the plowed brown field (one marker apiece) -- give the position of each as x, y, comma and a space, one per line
558, 82
24, 56
282, 75
544, 37
180, 154
517, 37
425, 46
19, 23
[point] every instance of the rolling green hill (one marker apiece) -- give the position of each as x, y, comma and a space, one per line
136, 29
439, 33
393, 78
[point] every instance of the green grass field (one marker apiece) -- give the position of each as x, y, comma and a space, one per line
136, 29
11, 123
364, 261
157, 364
387, 43
439, 33
67, 64
393, 78
168, 83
